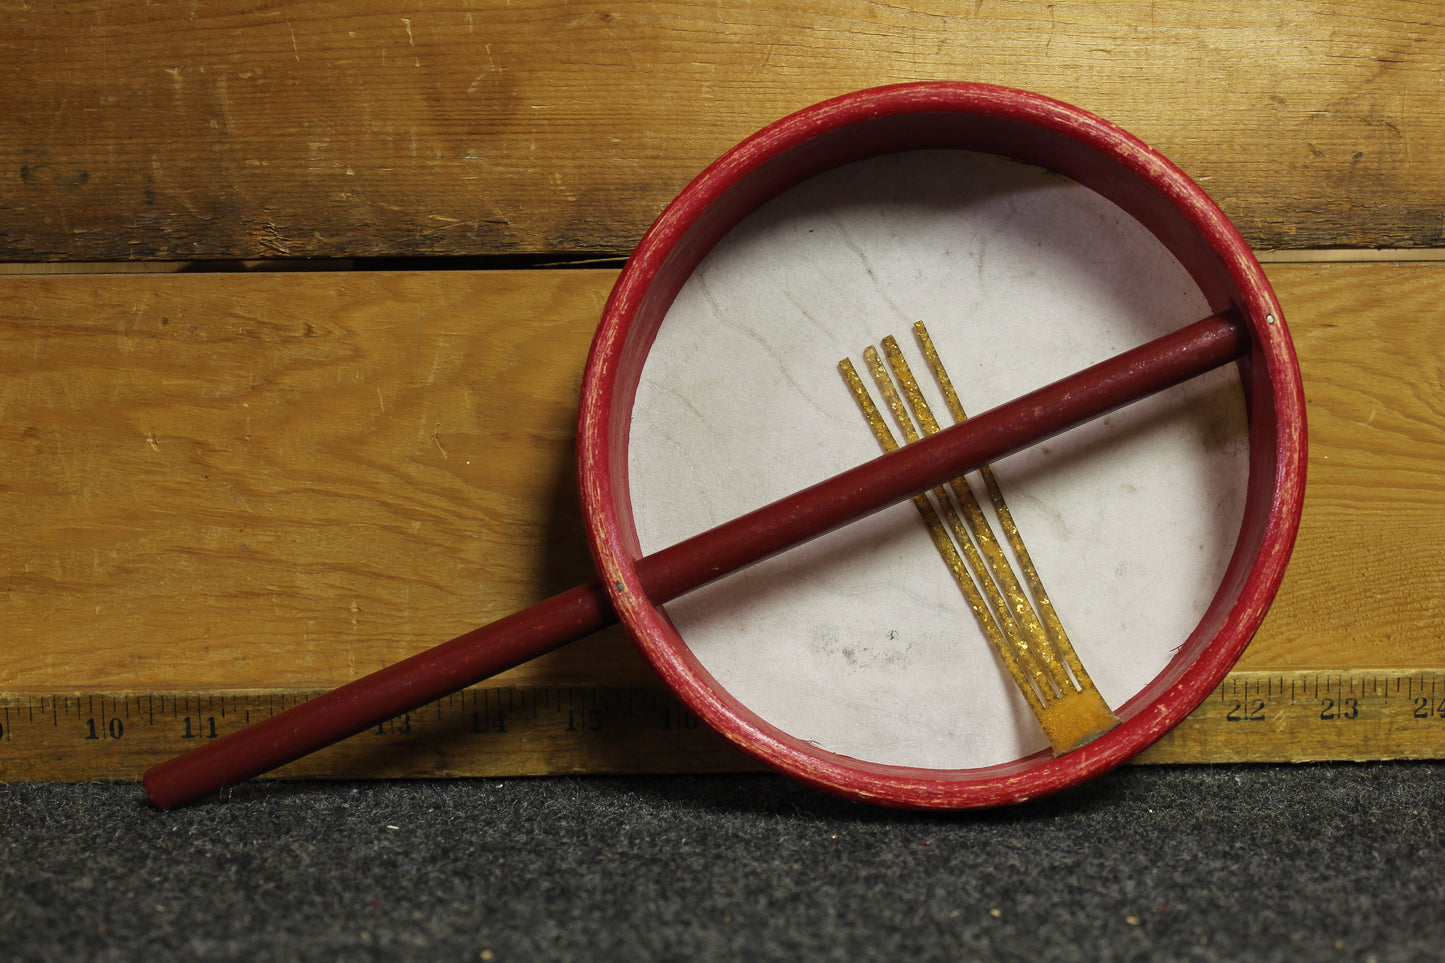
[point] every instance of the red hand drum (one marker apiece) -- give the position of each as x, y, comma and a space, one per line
1007, 635
1033, 238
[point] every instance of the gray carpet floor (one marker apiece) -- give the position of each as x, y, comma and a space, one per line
1316, 862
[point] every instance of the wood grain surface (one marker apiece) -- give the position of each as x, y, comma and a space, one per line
234, 129
1364, 585
229, 481
211, 471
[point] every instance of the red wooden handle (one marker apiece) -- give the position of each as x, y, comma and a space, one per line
388, 692
666, 574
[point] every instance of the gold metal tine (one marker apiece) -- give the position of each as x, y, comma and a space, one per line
1021, 626
939, 535
1004, 615
1054, 629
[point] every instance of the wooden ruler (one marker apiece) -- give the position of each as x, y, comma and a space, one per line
507, 730
1313, 715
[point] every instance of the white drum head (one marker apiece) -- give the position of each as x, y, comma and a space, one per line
861, 643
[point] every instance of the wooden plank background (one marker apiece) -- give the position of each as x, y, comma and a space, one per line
355, 128
267, 479
241, 480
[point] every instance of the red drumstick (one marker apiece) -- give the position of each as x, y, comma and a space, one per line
673, 571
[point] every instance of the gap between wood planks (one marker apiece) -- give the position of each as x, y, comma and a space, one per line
483, 263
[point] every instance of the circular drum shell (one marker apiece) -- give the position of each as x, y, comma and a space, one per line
1031, 129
